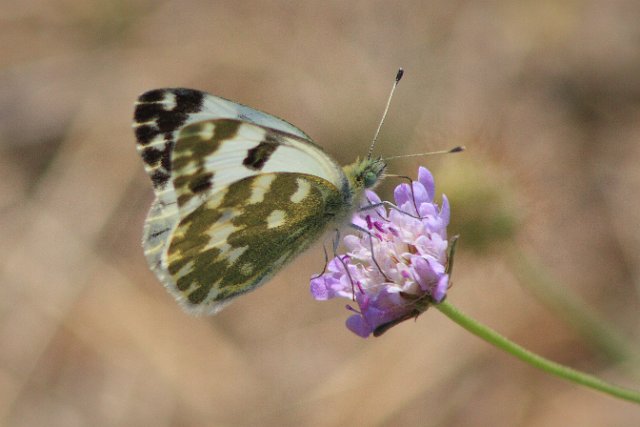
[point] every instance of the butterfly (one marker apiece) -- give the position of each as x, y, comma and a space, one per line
238, 194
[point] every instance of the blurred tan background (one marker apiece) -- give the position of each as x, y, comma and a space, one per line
544, 94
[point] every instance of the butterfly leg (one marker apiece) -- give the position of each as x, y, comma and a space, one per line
388, 204
326, 262
373, 258
413, 195
391, 205
335, 243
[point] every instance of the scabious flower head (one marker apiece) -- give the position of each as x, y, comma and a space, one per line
407, 270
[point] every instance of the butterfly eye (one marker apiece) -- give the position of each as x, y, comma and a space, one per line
370, 179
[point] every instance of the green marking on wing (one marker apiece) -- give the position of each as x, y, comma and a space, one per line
220, 252
195, 143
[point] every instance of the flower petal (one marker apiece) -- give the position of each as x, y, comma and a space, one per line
406, 270
319, 288
420, 193
402, 194
445, 211
358, 326
439, 291
426, 179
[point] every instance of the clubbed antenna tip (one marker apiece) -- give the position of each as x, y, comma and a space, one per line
399, 75
457, 149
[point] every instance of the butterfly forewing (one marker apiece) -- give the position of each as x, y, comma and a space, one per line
209, 156
160, 114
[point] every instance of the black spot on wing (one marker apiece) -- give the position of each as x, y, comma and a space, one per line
159, 233
201, 183
150, 108
159, 178
258, 155
165, 162
155, 157
187, 102
151, 156
152, 95
146, 112
145, 133
155, 119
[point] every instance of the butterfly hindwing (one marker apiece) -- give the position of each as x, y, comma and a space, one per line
235, 241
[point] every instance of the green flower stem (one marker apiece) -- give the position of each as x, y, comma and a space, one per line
533, 359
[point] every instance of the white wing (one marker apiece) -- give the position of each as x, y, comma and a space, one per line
169, 123
211, 155
160, 114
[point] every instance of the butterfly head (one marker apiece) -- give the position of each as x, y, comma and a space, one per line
366, 173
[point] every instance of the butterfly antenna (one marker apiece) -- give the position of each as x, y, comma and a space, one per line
457, 149
386, 109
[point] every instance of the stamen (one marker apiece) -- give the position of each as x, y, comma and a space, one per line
369, 223
348, 307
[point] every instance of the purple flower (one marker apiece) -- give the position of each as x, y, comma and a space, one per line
407, 271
